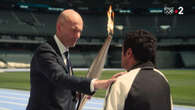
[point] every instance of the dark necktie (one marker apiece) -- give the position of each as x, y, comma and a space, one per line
66, 54
68, 65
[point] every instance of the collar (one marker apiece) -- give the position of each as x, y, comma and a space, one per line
61, 47
141, 65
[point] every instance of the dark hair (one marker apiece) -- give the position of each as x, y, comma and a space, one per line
143, 45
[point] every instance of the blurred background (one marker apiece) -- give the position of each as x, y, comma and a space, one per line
25, 24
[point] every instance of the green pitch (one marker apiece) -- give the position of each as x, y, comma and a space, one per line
182, 83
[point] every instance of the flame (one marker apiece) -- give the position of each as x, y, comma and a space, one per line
110, 25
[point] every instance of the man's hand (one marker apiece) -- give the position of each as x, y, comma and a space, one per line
89, 97
103, 84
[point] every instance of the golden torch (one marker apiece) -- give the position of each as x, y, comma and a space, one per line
97, 65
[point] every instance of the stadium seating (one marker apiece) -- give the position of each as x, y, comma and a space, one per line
168, 42
15, 58
7, 16
2, 64
94, 25
46, 23
82, 59
168, 59
188, 59
17, 26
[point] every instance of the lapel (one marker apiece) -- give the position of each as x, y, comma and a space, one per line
60, 60
71, 70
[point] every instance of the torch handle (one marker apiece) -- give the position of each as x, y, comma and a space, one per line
96, 67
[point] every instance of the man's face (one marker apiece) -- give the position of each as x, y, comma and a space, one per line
124, 59
127, 59
70, 33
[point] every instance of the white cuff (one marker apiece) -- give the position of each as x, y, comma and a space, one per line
92, 89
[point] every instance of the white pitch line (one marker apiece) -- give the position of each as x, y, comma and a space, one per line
186, 106
1, 108
75, 69
13, 103
1, 71
17, 94
92, 108
16, 98
98, 103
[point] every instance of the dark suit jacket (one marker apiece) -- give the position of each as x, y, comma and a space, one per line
52, 88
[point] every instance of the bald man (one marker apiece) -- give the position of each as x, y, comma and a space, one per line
53, 85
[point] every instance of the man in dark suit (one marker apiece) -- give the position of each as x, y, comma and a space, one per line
53, 85
144, 87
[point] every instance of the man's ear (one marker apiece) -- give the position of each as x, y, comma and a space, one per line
58, 28
129, 52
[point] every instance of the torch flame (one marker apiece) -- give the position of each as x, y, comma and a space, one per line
110, 25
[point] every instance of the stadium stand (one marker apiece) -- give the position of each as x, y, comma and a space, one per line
82, 59
46, 23
115, 58
168, 42
15, 58
168, 59
12, 25
191, 41
17, 65
25, 29
2, 65
179, 26
7, 16
188, 59
94, 25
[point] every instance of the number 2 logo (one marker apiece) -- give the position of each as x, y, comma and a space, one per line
181, 10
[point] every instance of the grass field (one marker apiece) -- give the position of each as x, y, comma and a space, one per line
182, 83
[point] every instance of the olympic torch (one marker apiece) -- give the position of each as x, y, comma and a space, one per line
97, 65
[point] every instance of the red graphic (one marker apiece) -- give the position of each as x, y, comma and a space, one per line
176, 11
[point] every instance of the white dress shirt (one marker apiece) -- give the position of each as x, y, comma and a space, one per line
63, 49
